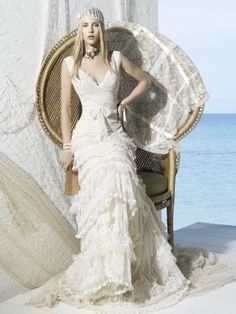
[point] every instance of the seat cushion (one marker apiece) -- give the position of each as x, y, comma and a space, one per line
156, 183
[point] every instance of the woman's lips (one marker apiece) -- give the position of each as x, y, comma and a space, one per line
90, 37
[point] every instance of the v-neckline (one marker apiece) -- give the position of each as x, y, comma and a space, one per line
96, 84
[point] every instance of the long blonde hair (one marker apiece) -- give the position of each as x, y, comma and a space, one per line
79, 49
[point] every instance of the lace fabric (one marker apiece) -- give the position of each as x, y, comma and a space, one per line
177, 88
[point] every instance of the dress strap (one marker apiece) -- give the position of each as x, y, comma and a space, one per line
69, 63
116, 57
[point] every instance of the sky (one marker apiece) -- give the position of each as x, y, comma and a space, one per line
206, 31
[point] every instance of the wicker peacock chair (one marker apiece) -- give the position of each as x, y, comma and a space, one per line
175, 81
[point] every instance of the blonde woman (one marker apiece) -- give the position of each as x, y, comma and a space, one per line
125, 260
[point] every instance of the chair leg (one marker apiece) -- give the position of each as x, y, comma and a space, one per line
170, 224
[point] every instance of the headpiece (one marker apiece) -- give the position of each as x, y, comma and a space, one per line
92, 12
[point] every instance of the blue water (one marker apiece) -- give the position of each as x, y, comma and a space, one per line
206, 180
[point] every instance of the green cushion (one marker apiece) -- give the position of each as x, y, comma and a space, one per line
156, 183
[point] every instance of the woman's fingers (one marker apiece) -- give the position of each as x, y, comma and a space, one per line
65, 160
119, 110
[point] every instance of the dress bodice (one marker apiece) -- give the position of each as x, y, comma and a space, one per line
98, 101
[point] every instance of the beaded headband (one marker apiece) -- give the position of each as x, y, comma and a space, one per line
92, 12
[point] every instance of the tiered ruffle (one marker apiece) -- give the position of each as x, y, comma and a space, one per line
123, 248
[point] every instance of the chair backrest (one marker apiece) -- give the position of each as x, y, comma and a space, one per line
150, 113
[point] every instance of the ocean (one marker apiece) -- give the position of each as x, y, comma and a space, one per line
206, 180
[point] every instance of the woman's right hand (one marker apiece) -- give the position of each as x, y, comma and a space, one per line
65, 159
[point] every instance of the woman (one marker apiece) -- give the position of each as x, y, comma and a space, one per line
125, 259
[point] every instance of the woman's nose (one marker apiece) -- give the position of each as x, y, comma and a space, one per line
91, 29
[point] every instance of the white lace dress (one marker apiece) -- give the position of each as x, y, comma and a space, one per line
125, 259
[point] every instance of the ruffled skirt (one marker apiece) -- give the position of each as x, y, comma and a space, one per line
124, 253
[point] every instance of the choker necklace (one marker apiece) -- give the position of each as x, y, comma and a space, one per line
91, 53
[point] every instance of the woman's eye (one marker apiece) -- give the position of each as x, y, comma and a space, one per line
86, 25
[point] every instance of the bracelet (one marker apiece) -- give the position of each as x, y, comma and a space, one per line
123, 106
67, 147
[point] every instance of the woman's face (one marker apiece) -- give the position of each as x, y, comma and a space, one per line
91, 31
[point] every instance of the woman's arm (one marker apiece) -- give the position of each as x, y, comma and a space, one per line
67, 154
144, 79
